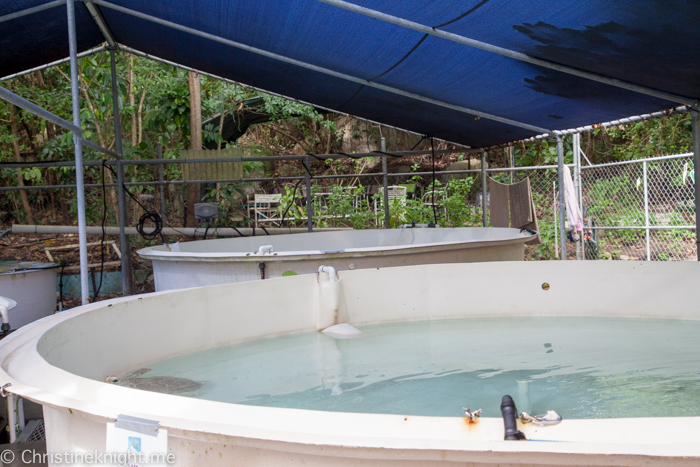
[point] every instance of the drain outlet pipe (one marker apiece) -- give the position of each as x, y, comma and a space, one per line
6, 304
508, 411
332, 273
329, 291
264, 250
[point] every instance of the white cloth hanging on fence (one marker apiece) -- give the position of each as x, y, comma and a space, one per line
573, 212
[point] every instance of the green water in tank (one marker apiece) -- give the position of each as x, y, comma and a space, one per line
579, 367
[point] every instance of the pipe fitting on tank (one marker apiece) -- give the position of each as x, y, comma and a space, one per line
332, 273
508, 411
6, 304
264, 250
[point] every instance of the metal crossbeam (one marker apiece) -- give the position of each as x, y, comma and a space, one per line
30, 11
22, 103
509, 53
139, 53
98, 148
101, 24
57, 62
319, 69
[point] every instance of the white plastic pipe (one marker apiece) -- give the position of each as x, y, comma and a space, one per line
167, 231
332, 273
6, 304
264, 250
328, 311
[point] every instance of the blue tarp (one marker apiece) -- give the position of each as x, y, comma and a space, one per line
653, 43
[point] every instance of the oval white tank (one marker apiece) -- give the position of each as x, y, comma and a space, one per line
230, 260
62, 362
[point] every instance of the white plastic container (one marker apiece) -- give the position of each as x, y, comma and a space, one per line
62, 362
230, 260
33, 286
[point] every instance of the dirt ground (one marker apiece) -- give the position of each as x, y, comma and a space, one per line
33, 247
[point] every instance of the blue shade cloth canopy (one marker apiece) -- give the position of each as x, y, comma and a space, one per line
351, 62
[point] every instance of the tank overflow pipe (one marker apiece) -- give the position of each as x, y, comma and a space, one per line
332, 274
6, 304
508, 411
264, 250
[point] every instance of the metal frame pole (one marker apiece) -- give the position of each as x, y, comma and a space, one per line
484, 213
161, 180
577, 155
511, 154
309, 207
124, 241
695, 118
385, 185
562, 196
435, 31
310, 66
556, 229
79, 176
646, 209
577, 186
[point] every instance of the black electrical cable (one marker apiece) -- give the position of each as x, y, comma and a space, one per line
102, 240
387, 154
157, 222
418, 143
294, 192
60, 284
240, 234
432, 150
151, 216
315, 156
348, 155
206, 230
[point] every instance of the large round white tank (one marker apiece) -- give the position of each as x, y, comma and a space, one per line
230, 260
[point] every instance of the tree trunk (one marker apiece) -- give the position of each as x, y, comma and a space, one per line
195, 139
20, 180
132, 103
140, 115
50, 128
111, 192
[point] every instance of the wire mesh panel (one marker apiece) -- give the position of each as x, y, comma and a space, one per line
544, 187
641, 210
212, 170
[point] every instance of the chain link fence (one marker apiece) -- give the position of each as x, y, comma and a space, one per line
634, 210
544, 187
641, 210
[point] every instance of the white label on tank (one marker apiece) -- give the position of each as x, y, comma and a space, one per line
133, 448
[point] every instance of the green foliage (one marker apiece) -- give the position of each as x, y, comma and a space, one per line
289, 204
342, 206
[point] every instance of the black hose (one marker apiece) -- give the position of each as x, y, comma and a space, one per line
509, 413
102, 240
60, 285
154, 217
